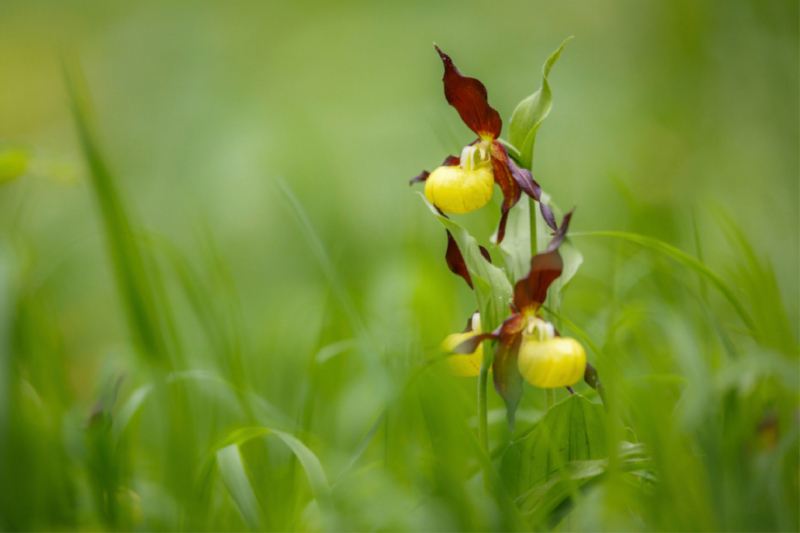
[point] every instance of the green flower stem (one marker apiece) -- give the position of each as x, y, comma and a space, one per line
534, 240
483, 412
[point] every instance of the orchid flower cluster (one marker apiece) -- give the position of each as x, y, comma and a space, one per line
527, 347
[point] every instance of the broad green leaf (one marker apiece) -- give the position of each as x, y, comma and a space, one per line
491, 285
516, 245
530, 113
573, 430
686, 260
547, 504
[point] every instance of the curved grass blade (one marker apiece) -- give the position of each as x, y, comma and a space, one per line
232, 470
686, 260
313, 468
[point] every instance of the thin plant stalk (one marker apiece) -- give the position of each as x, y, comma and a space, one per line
532, 216
483, 412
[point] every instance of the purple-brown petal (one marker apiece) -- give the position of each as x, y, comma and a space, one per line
532, 189
548, 216
455, 261
470, 99
561, 232
525, 180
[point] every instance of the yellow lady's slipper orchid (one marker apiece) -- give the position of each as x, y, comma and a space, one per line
465, 365
554, 363
465, 184
529, 348
457, 190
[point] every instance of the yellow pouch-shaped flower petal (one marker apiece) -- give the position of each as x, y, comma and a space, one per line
554, 363
457, 190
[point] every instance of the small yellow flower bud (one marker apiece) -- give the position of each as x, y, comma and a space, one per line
458, 190
551, 364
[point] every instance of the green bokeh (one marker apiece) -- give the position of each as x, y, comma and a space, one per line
670, 119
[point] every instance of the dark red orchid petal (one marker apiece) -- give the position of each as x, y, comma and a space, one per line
422, 177
470, 99
485, 254
530, 292
451, 161
455, 261
507, 379
510, 187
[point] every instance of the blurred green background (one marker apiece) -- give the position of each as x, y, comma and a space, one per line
674, 119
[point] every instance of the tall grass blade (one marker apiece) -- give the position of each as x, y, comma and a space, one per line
688, 261
130, 266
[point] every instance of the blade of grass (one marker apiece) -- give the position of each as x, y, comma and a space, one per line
232, 470
130, 268
688, 261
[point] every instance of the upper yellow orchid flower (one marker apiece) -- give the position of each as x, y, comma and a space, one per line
464, 184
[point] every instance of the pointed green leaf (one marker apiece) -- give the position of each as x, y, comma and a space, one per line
573, 430
530, 113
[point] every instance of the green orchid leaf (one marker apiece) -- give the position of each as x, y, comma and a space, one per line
516, 246
573, 430
492, 288
530, 113
547, 504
